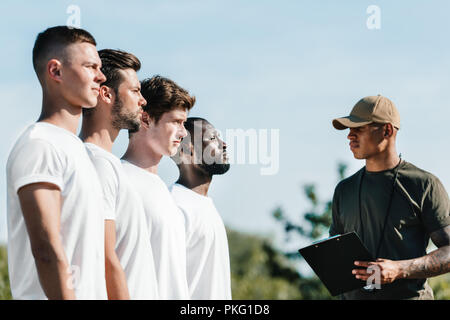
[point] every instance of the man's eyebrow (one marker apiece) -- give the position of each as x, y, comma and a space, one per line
94, 63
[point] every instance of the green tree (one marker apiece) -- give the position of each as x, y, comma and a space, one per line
318, 217
318, 221
441, 287
258, 271
5, 292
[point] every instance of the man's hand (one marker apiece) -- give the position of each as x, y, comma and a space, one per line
389, 270
433, 264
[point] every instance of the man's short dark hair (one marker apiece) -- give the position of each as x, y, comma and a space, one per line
112, 62
190, 124
164, 95
56, 39
115, 60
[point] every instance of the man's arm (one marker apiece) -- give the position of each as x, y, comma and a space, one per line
116, 282
433, 264
41, 207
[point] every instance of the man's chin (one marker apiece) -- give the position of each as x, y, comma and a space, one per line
88, 104
171, 152
216, 169
358, 156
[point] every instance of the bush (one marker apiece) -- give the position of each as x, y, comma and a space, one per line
5, 291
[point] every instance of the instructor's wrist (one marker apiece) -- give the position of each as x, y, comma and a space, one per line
401, 270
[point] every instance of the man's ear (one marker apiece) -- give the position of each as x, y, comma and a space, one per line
106, 94
388, 130
146, 121
186, 148
185, 152
53, 70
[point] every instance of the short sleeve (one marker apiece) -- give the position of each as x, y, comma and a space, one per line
36, 161
336, 226
435, 206
109, 183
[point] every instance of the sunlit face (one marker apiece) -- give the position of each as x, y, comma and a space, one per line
214, 149
127, 109
80, 74
213, 146
367, 141
166, 135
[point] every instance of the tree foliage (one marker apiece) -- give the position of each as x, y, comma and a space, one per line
261, 272
5, 292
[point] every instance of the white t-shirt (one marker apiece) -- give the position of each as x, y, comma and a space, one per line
167, 233
208, 260
47, 153
124, 205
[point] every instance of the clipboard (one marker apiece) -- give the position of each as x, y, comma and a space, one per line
333, 260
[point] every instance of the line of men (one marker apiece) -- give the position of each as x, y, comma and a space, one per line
84, 224
80, 219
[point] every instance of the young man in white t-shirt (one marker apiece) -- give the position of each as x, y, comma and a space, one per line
201, 156
160, 135
55, 218
130, 270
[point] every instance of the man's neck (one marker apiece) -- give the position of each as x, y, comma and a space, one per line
198, 183
382, 161
60, 113
102, 135
142, 156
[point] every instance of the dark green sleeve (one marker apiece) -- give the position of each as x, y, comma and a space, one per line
435, 206
336, 226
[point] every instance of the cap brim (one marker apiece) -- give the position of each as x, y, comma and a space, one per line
349, 122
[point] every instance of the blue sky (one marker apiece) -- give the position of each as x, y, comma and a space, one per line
287, 65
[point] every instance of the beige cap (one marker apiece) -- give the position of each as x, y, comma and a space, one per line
370, 109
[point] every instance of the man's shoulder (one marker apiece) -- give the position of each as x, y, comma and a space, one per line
55, 135
187, 200
181, 196
415, 178
35, 134
35, 141
411, 171
102, 158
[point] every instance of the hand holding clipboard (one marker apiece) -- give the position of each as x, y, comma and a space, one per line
333, 260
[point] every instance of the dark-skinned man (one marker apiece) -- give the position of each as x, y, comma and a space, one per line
394, 207
201, 156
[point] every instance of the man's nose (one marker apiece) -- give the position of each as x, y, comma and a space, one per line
142, 102
183, 131
101, 77
351, 135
